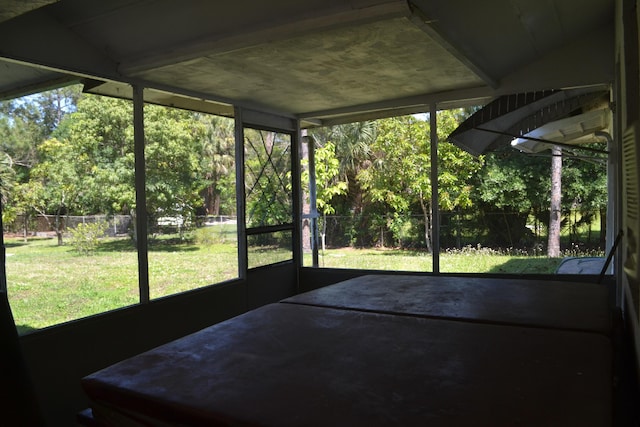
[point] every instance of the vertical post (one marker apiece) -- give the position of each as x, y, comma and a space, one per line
141, 194
313, 200
435, 211
3, 254
240, 196
297, 198
615, 156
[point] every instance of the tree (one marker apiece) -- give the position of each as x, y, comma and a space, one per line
518, 187
101, 132
399, 175
24, 124
60, 174
267, 178
353, 150
585, 192
20, 135
555, 218
328, 184
7, 182
173, 155
54, 105
25, 202
218, 161
510, 187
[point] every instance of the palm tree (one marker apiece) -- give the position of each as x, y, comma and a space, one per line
353, 145
218, 153
7, 176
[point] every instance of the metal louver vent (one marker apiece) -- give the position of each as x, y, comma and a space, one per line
630, 188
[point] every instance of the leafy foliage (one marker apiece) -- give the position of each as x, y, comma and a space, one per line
86, 164
66, 153
174, 176
218, 165
399, 174
328, 183
85, 237
268, 178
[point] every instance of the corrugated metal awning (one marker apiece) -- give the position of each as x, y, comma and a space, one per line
513, 116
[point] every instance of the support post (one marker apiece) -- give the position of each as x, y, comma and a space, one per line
3, 254
297, 198
240, 195
313, 202
435, 211
141, 194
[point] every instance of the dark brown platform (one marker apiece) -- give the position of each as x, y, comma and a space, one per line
547, 304
301, 365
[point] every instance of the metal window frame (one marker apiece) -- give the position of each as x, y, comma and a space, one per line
262, 121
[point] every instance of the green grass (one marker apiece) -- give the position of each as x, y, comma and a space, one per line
49, 284
468, 261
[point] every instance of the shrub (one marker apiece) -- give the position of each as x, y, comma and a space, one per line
208, 236
85, 236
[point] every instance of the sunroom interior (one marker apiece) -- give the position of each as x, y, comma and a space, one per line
287, 67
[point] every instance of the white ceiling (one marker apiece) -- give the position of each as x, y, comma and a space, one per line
324, 61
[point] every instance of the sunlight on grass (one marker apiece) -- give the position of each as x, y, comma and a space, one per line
454, 262
49, 284
180, 269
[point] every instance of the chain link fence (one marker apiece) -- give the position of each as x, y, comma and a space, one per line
459, 230
44, 225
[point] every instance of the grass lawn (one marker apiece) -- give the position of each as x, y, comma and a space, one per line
453, 262
49, 284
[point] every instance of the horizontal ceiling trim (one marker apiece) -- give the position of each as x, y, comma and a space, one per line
465, 97
33, 87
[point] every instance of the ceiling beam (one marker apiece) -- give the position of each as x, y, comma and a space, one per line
408, 105
37, 38
36, 86
12, 8
429, 26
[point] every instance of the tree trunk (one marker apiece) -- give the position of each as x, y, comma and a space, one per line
458, 230
58, 229
323, 235
603, 228
553, 246
426, 213
209, 200
216, 204
25, 226
134, 221
307, 223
